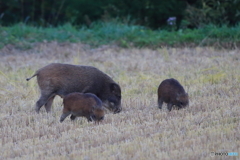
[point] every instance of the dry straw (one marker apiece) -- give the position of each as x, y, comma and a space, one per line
141, 131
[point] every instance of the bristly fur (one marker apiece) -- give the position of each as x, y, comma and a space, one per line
62, 79
172, 92
85, 105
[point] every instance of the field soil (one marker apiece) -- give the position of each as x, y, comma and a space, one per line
210, 125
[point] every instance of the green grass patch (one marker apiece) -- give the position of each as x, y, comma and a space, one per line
124, 35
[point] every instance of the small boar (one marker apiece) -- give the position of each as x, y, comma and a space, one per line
82, 104
171, 92
62, 79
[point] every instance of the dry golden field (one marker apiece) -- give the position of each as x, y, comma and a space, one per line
141, 131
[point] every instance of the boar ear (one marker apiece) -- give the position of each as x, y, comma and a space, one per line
114, 87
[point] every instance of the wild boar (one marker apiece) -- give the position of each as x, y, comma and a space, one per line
62, 79
171, 92
82, 105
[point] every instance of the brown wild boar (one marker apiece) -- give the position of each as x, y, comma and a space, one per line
62, 79
171, 92
82, 105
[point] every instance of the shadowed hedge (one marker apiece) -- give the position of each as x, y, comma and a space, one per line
148, 13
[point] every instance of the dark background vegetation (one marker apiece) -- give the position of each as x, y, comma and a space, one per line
148, 13
126, 23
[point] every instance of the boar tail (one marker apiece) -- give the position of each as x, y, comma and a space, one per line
31, 77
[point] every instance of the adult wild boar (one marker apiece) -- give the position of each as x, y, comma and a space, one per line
172, 92
62, 79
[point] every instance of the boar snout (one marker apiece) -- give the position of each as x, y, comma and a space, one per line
112, 106
117, 110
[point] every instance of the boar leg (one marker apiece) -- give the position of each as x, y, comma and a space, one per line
169, 106
49, 104
90, 119
72, 117
42, 101
160, 103
64, 115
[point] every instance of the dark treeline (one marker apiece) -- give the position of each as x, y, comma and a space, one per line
149, 13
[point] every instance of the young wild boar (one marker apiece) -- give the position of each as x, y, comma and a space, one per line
82, 104
62, 79
171, 92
